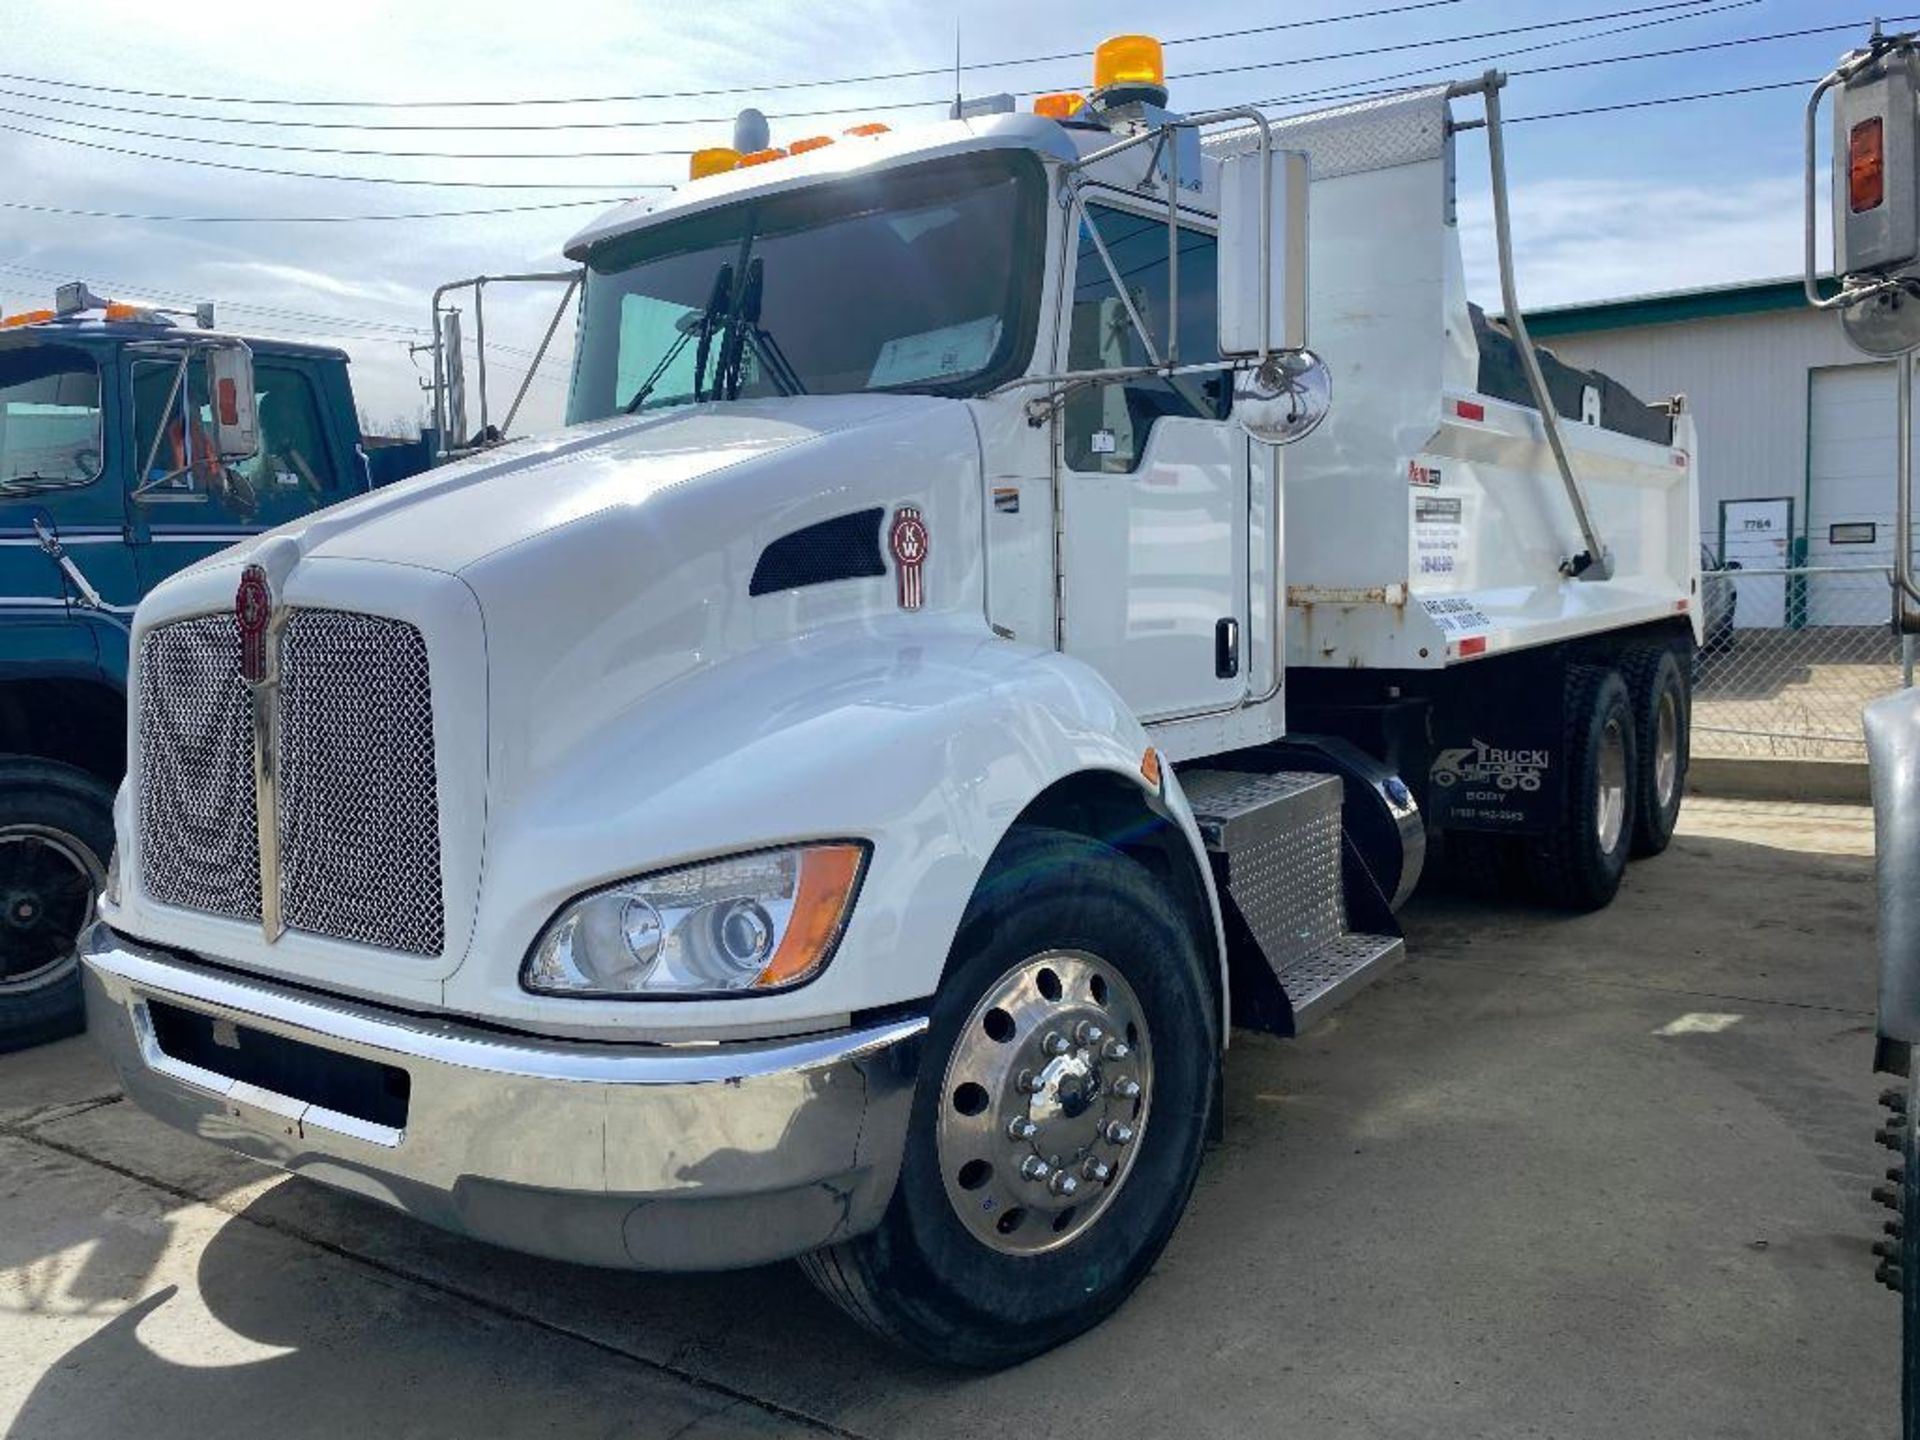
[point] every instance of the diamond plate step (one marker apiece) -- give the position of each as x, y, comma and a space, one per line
1327, 978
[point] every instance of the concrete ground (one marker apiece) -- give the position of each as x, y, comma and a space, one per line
1603, 1176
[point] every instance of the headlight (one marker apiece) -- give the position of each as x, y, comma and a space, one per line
765, 921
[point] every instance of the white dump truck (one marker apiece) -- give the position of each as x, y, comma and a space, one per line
833, 798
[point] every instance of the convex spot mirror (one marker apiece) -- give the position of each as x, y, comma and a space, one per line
1248, 251
1285, 399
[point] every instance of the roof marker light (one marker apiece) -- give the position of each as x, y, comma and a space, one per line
761, 157
1061, 105
26, 317
1129, 60
812, 142
714, 160
872, 127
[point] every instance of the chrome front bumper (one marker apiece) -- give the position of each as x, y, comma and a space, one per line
645, 1157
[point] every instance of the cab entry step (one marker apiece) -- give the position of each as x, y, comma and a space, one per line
1275, 840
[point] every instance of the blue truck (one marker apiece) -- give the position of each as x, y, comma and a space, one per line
132, 443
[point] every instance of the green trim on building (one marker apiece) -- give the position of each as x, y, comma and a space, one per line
1672, 309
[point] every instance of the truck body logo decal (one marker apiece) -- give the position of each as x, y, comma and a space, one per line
252, 608
909, 542
1484, 764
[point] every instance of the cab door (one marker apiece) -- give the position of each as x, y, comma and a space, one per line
1154, 480
186, 503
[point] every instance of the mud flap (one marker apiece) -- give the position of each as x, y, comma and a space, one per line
1498, 734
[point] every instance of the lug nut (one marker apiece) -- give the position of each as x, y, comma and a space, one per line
1127, 1088
1088, 1033
1097, 1171
1118, 1131
1894, 1100
1887, 1274
1887, 1196
1063, 1184
1029, 1083
1115, 1050
1887, 1249
1021, 1128
1891, 1227
1896, 1174
1034, 1168
1056, 1043
1889, 1136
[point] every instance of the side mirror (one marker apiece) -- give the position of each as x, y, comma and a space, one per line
236, 414
1250, 252
1283, 399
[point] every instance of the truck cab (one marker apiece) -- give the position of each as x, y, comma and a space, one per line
833, 798
110, 484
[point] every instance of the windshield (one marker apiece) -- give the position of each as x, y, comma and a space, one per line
924, 280
49, 418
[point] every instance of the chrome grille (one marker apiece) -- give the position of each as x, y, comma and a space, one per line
359, 811
358, 803
197, 834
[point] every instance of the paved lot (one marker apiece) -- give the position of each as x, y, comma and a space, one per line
1557, 1177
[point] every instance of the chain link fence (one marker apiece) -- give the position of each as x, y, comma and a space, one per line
1792, 655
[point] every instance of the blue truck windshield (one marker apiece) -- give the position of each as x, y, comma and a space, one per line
49, 418
923, 279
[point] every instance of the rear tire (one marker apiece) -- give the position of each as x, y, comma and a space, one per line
1579, 863
56, 833
1022, 1267
1663, 722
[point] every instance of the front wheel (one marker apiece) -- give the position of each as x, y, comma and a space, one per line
1060, 1116
56, 832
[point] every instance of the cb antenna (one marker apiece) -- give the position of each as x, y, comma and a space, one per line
958, 101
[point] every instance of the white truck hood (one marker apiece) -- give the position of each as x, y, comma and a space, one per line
451, 518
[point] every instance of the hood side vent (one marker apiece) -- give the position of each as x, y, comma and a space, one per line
846, 547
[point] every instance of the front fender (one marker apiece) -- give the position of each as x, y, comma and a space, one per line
923, 737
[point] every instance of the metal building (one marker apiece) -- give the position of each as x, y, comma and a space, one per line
1796, 435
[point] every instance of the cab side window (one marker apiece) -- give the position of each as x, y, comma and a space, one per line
1106, 426
294, 471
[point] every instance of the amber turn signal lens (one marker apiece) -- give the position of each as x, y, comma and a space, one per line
828, 876
1062, 105
761, 157
1128, 60
812, 142
715, 160
872, 127
1866, 165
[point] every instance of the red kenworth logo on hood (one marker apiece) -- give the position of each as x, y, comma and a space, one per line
910, 544
252, 608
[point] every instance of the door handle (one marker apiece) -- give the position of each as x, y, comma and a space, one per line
1226, 648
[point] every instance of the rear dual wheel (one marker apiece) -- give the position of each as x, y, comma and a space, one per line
1580, 862
1058, 1125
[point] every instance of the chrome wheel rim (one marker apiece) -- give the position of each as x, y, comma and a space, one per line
1044, 1102
1610, 785
1666, 750
49, 882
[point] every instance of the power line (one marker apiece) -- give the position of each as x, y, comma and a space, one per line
1663, 100
1686, 9
101, 145
304, 219
762, 89
159, 292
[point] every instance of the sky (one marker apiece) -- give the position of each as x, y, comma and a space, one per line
1626, 202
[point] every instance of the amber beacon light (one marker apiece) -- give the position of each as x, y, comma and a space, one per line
715, 160
1129, 60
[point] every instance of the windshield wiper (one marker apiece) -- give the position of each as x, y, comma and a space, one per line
689, 327
744, 329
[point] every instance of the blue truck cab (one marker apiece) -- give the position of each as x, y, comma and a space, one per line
110, 481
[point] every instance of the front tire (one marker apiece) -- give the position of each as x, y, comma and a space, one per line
1579, 863
56, 833
1058, 1125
